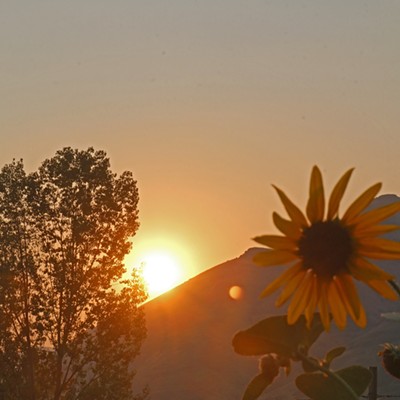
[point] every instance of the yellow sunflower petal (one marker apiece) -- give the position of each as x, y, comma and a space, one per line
363, 201
293, 211
361, 231
378, 254
316, 204
300, 298
363, 270
278, 282
336, 306
384, 289
324, 308
379, 244
290, 287
274, 257
313, 300
276, 242
337, 194
361, 321
288, 228
377, 215
377, 248
348, 293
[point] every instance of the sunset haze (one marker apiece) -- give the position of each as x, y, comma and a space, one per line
208, 103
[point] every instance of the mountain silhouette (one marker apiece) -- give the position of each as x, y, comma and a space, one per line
188, 354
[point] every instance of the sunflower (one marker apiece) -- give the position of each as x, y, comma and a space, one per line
326, 252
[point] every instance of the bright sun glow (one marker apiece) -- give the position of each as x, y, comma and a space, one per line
165, 262
161, 272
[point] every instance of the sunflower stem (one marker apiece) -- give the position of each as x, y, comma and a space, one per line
330, 373
395, 286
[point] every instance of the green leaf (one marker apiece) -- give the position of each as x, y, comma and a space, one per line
334, 353
275, 335
318, 386
256, 387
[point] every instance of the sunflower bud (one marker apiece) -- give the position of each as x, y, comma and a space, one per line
269, 366
391, 359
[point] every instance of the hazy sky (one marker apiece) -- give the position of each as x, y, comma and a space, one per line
207, 102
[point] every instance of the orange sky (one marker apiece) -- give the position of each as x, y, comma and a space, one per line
207, 102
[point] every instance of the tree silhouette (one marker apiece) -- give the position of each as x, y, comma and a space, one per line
69, 327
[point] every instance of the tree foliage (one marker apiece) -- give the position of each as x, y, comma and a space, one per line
69, 327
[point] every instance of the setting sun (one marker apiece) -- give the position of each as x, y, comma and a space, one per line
165, 262
161, 272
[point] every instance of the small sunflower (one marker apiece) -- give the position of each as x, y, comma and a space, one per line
327, 251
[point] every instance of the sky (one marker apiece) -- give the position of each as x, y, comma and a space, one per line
208, 103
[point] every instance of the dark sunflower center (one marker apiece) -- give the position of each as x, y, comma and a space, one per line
326, 248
